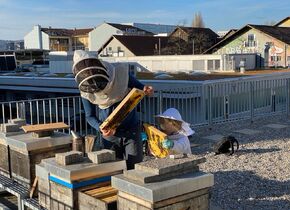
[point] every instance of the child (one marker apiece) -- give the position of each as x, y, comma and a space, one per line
177, 132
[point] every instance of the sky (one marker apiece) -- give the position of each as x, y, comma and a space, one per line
17, 17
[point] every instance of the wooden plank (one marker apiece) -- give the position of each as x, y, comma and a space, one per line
44, 127
123, 109
134, 199
32, 190
101, 189
110, 199
111, 191
155, 138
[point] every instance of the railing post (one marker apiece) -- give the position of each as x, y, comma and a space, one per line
252, 101
287, 96
226, 107
210, 89
160, 100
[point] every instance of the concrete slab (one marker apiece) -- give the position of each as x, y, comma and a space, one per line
26, 142
167, 165
248, 131
153, 192
83, 170
148, 177
276, 126
215, 137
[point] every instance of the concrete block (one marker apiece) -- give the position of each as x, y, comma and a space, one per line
19, 121
167, 165
83, 170
153, 192
102, 156
148, 177
41, 172
68, 158
9, 127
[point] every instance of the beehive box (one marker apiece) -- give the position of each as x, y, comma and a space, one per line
26, 151
102, 198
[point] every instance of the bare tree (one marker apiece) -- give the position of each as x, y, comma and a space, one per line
198, 21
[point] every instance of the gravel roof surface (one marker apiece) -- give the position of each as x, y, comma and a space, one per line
255, 177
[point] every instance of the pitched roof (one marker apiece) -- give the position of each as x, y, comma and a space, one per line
129, 28
282, 21
66, 32
140, 45
192, 31
280, 33
82, 31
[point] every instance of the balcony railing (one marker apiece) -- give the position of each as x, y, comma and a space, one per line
201, 104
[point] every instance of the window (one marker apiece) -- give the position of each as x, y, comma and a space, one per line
110, 48
119, 49
251, 42
276, 58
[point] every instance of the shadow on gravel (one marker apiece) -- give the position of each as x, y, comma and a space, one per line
245, 190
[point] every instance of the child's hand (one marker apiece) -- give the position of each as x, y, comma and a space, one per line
167, 144
148, 90
144, 136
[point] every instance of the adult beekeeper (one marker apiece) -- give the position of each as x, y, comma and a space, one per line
104, 85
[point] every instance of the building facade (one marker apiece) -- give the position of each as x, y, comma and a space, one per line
102, 33
270, 43
128, 46
56, 39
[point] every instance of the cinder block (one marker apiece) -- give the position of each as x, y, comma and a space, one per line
19, 121
102, 156
9, 127
68, 158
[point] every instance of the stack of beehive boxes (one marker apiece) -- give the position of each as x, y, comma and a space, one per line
164, 184
61, 179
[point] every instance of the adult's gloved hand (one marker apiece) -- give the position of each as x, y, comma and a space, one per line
167, 144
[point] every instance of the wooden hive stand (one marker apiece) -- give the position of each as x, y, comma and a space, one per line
44, 130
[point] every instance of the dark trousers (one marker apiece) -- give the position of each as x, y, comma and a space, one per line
128, 145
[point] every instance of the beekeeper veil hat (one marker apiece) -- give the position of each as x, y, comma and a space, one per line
90, 74
174, 114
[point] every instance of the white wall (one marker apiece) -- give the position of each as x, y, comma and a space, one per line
60, 62
36, 39
170, 63
100, 35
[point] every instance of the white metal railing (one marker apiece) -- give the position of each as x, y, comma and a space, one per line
201, 104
